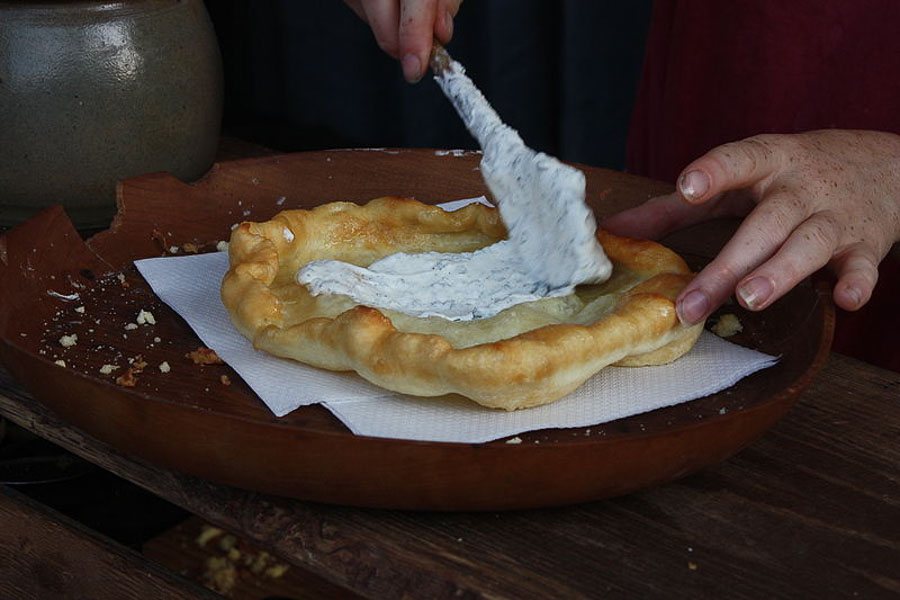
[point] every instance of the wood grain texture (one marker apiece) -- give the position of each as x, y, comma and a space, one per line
810, 510
190, 421
46, 555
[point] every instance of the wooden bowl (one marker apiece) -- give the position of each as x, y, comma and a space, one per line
191, 421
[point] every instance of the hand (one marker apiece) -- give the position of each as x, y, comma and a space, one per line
405, 29
829, 197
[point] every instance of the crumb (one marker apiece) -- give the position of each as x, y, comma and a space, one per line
259, 565
222, 246
60, 362
207, 533
204, 356
173, 249
692, 565
127, 379
514, 440
164, 367
227, 542
131, 326
234, 554
225, 379
276, 571
79, 310
67, 341
121, 278
726, 326
107, 369
138, 364
220, 574
145, 317
157, 340
191, 248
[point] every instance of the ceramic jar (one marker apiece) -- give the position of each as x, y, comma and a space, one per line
92, 92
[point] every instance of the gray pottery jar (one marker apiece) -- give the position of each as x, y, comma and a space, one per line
93, 92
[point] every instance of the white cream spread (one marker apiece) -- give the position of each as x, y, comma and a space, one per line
550, 249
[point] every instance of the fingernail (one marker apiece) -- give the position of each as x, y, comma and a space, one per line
855, 295
756, 292
448, 23
412, 68
693, 307
694, 184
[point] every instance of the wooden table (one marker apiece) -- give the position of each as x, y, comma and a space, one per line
811, 510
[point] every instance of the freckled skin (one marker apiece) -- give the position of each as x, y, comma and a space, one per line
829, 197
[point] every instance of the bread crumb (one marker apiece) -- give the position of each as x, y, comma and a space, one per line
727, 325
225, 379
67, 341
207, 533
107, 369
276, 571
127, 379
220, 574
164, 367
131, 326
173, 249
60, 362
514, 440
145, 317
190, 248
157, 340
227, 542
222, 246
204, 356
692, 565
79, 310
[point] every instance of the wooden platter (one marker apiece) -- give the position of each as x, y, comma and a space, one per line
203, 420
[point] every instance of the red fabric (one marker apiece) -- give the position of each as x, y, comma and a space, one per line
721, 71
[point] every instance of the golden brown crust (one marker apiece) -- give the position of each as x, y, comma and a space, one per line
535, 367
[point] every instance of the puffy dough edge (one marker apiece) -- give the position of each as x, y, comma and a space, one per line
531, 369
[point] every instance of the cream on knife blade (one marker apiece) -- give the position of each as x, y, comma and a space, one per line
551, 246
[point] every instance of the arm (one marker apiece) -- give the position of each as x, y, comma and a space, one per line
405, 29
829, 197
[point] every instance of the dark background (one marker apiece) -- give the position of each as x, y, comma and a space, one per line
302, 75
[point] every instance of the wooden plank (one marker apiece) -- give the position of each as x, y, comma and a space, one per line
47, 555
809, 510
229, 564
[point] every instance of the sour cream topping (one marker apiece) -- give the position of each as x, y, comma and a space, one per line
551, 246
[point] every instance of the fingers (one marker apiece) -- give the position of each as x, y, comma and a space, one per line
662, 215
417, 25
856, 268
809, 247
383, 16
758, 238
405, 29
731, 166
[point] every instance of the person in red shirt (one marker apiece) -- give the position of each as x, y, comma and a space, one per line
784, 113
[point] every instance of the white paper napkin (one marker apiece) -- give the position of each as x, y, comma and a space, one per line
190, 285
